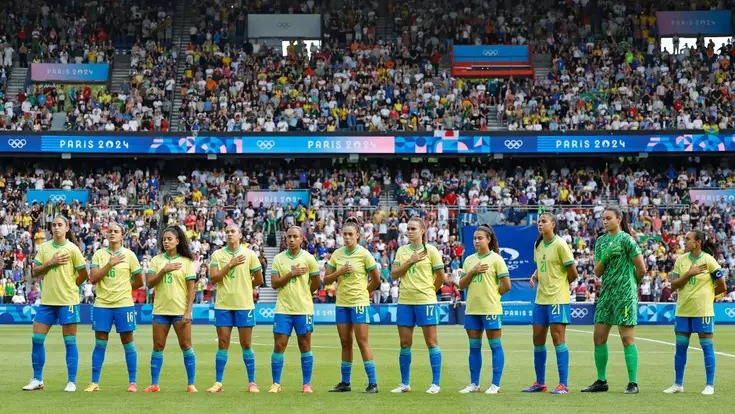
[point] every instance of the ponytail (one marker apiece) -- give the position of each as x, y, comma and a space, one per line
708, 246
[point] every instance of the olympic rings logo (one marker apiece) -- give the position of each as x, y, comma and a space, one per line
283, 25
490, 52
579, 313
513, 144
55, 198
17, 143
267, 312
266, 144
730, 312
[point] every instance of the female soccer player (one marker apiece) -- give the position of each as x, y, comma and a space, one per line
555, 269
699, 278
116, 272
350, 267
619, 263
296, 276
56, 263
236, 270
485, 276
420, 269
172, 274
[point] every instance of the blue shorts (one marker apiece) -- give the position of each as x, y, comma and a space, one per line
123, 318
695, 324
483, 322
545, 315
417, 315
167, 319
236, 318
353, 314
283, 324
52, 314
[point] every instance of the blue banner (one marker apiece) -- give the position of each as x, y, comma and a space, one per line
67, 196
713, 22
441, 142
268, 198
70, 72
516, 247
491, 53
709, 196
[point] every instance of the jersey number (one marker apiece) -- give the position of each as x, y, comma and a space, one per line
692, 281
542, 268
309, 319
429, 311
231, 274
168, 278
130, 317
706, 320
360, 310
477, 278
412, 269
554, 309
111, 273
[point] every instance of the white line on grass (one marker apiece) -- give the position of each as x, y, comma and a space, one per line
655, 341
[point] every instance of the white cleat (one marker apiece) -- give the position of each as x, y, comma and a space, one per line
676, 388
401, 389
470, 389
434, 389
33, 385
493, 389
708, 390
70, 387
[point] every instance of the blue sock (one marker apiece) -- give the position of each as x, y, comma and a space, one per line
131, 360
680, 358
346, 368
276, 367
562, 362
435, 359
404, 361
307, 365
248, 357
98, 358
539, 363
498, 359
72, 357
190, 362
220, 360
38, 355
370, 371
156, 365
475, 360
708, 348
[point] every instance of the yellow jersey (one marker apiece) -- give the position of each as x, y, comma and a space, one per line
552, 259
235, 291
417, 285
172, 295
696, 298
295, 298
352, 287
60, 282
114, 290
483, 293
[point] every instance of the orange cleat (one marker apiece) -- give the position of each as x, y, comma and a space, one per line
152, 388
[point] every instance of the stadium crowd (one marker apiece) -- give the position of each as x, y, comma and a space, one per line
503, 193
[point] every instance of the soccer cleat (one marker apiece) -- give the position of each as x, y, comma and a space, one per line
341, 387
470, 389
217, 387
306, 389
92, 387
70, 387
493, 389
132, 387
371, 389
275, 388
401, 388
34, 385
632, 388
191, 388
708, 390
152, 388
674, 389
253, 387
561, 389
536, 387
434, 389
597, 386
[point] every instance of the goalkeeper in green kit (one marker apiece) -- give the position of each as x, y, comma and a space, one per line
619, 264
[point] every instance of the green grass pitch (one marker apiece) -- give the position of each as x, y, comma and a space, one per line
655, 374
